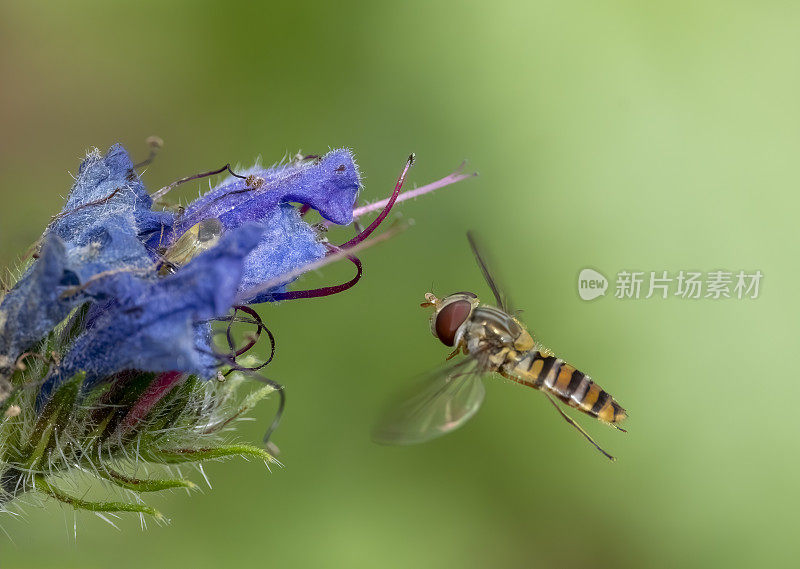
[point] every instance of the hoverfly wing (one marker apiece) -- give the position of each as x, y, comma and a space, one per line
195, 240
500, 296
442, 402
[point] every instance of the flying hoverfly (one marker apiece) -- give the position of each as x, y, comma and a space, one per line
494, 341
200, 237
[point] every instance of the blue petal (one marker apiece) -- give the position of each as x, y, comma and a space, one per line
287, 243
330, 186
34, 306
107, 186
97, 231
154, 324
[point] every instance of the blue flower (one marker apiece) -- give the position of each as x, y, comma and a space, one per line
107, 336
97, 232
106, 341
104, 248
161, 325
329, 186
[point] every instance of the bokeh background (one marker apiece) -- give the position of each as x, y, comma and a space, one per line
617, 135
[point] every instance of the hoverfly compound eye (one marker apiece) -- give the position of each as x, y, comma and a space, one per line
465, 293
450, 318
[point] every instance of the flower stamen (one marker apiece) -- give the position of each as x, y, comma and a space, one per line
156, 196
387, 208
326, 290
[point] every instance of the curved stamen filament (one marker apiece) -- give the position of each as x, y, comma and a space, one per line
386, 209
326, 290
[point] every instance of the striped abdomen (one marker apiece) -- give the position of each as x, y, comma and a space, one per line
573, 387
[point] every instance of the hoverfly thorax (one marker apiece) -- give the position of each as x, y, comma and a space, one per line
450, 315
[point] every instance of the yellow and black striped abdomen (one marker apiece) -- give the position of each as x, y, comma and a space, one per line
573, 387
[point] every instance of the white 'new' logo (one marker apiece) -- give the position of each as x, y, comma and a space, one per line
591, 284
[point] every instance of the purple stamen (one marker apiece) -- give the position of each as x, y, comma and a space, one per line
323, 291
101, 201
387, 208
336, 253
453, 178
166, 189
260, 326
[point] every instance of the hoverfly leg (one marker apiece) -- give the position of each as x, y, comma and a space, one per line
569, 420
454, 353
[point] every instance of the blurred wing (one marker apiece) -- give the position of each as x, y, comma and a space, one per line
441, 403
503, 302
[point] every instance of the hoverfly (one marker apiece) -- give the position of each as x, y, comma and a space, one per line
200, 237
494, 341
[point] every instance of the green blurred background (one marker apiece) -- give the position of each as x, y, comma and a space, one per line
618, 135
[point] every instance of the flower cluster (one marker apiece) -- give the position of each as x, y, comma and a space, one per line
124, 313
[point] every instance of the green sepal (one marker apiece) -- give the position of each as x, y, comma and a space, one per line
181, 455
143, 485
54, 417
43, 486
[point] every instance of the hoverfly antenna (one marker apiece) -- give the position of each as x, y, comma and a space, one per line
430, 300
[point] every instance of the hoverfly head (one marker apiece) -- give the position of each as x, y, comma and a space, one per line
450, 315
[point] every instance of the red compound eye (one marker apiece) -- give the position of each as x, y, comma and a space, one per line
450, 318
